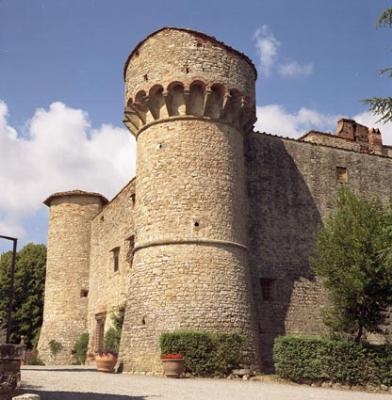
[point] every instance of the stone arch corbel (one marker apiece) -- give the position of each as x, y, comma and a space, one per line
140, 106
131, 119
157, 102
232, 107
247, 112
175, 100
196, 98
214, 101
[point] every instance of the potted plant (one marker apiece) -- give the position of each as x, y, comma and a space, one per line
173, 365
106, 360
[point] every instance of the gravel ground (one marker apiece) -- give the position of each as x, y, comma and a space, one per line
80, 383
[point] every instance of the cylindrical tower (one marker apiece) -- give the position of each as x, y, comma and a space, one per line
189, 101
67, 270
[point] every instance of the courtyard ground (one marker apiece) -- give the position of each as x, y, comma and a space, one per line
80, 383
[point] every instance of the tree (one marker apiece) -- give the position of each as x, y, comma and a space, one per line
29, 288
352, 260
382, 106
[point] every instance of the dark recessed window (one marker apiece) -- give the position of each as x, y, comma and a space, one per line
267, 289
133, 199
116, 258
131, 246
84, 293
341, 175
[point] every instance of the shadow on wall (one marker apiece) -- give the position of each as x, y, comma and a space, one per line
283, 221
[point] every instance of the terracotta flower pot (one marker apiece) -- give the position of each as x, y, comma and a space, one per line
105, 362
173, 368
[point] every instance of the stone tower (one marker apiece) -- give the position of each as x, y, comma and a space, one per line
189, 101
67, 271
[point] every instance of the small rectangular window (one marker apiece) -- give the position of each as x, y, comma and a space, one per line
116, 258
84, 293
267, 289
341, 175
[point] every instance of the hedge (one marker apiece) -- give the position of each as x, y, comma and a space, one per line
304, 359
204, 353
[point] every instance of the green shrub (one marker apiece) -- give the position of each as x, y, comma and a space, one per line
304, 359
55, 347
204, 353
80, 349
111, 340
298, 359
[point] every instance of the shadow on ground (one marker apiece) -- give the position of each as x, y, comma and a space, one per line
44, 395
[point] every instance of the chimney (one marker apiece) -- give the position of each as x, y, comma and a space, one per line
346, 129
375, 141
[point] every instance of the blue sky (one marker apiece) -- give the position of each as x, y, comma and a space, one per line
61, 85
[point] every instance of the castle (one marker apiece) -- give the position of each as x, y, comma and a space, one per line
215, 231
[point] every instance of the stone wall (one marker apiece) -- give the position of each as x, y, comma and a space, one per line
112, 229
292, 187
188, 105
67, 272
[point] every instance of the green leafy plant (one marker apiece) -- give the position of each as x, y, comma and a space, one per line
80, 348
353, 261
204, 353
55, 347
111, 340
313, 359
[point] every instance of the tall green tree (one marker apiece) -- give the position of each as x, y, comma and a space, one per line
382, 106
29, 288
352, 261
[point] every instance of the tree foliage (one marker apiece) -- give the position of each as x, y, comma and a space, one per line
28, 291
354, 263
382, 106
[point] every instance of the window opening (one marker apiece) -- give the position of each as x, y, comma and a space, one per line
267, 289
116, 258
131, 246
341, 175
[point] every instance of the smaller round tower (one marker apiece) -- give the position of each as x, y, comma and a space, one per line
67, 271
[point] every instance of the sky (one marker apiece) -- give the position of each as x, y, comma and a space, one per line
61, 83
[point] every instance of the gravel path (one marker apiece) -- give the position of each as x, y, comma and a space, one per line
79, 383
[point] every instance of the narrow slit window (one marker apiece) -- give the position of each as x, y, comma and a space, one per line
131, 246
116, 259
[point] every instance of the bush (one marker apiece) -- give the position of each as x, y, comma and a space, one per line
111, 340
204, 353
55, 347
80, 349
304, 359
298, 359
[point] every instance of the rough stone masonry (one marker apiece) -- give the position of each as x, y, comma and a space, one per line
215, 231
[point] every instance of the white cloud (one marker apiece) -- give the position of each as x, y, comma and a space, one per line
60, 152
293, 69
267, 47
273, 118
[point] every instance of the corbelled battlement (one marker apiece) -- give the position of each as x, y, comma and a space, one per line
177, 73
196, 99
